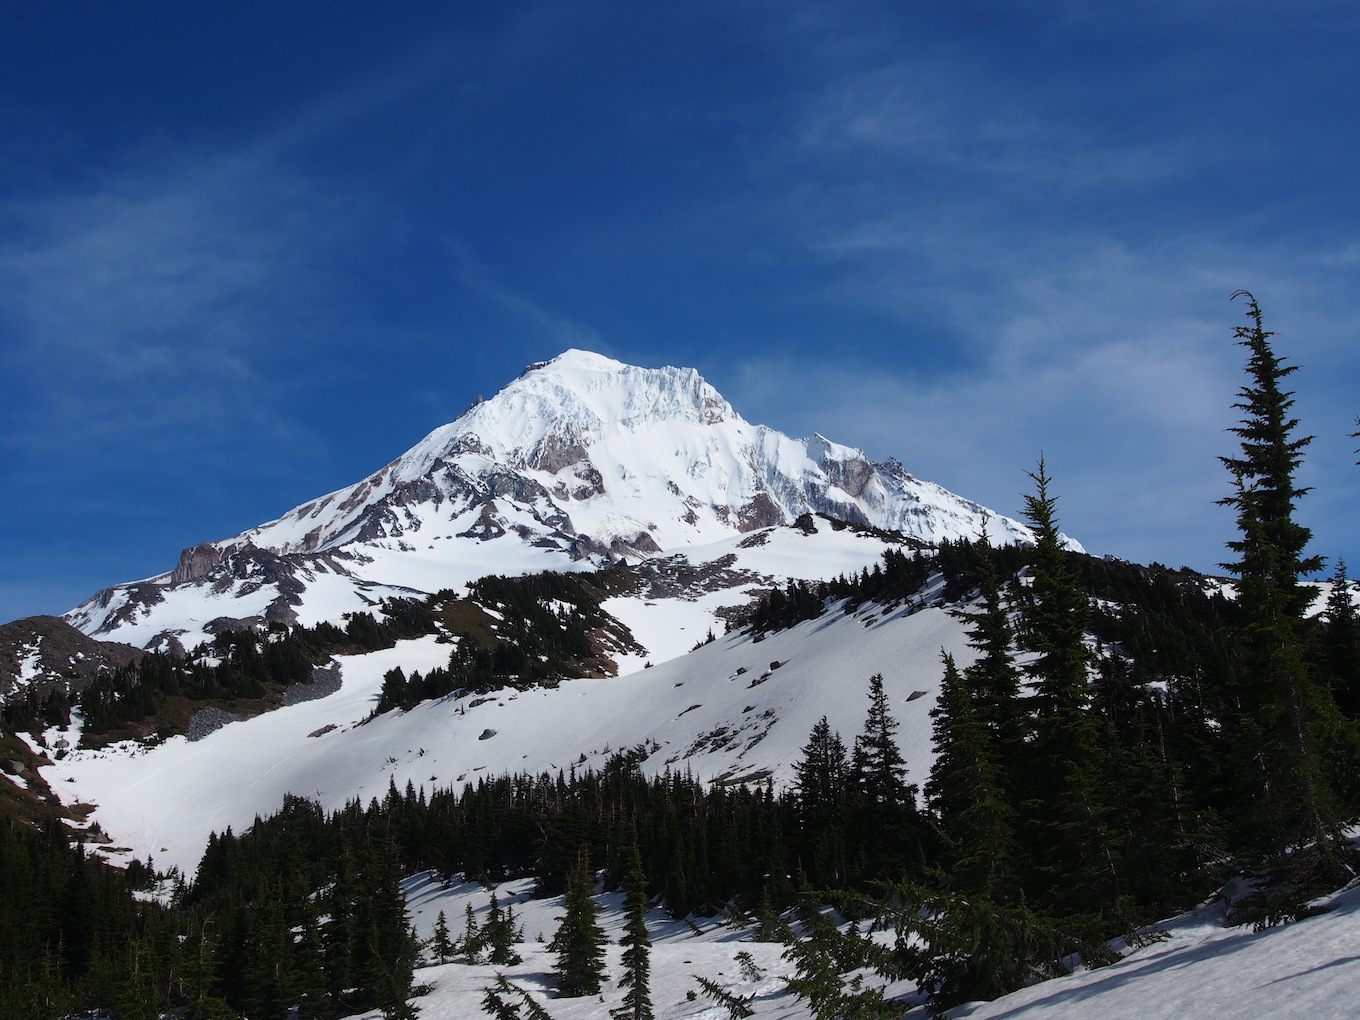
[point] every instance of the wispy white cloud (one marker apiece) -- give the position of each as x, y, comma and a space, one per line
144, 303
1043, 282
1121, 368
950, 115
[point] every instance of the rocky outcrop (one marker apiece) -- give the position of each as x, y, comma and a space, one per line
44, 655
198, 561
761, 512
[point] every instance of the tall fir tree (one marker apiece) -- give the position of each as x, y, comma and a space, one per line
388, 946
1065, 838
1339, 655
821, 793
821, 778
993, 677
440, 943
886, 829
637, 1000
497, 936
877, 768
1282, 713
579, 941
964, 791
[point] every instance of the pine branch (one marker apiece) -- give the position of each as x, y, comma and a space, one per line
737, 1006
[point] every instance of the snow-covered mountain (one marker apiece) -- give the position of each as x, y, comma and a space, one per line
738, 708
579, 462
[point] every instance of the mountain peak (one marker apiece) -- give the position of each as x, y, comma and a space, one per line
579, 460
576, 359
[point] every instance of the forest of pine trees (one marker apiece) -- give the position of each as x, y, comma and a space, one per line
1125, 739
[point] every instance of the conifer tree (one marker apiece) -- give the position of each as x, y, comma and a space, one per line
201, 968
388, 946
821, 792
965, 793
469, 946
498, 936
878, 768
496, 1004
821, 957
308, 963
1070, 861
441, 945
637, 1000
269, 987
821, 778
993, 677
1340, 651
960, 948
738, 1006
1282, 713
579, 942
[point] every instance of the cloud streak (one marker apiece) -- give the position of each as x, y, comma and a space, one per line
144, 304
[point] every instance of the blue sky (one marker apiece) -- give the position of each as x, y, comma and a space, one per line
250, 252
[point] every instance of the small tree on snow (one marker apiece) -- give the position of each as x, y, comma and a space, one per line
637, 1001
579, 942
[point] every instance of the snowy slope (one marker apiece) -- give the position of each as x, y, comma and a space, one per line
1304, 971
732, 709
579, 462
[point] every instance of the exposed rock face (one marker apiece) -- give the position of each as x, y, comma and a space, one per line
196, 561
761, 512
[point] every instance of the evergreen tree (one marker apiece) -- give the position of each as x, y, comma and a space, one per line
579, 942
1340, 652
388, 947
470, 945
821, 957
821, 792
821, 778
1070, 861
738, 1006
201, 968
993, 677
269, 988
878, 768
960, 948
637, 1000
1283, 715
964, 791
496, 1005
308, 957
440, 945
497, 936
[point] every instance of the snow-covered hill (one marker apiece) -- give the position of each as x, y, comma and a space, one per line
579, 462
735, 708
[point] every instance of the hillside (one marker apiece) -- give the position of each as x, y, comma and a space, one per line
733, 709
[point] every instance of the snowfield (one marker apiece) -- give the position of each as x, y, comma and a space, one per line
733, 709
1308, 970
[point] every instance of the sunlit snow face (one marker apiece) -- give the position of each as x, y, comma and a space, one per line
579, 462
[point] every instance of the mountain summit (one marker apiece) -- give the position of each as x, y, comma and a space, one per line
580, 461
